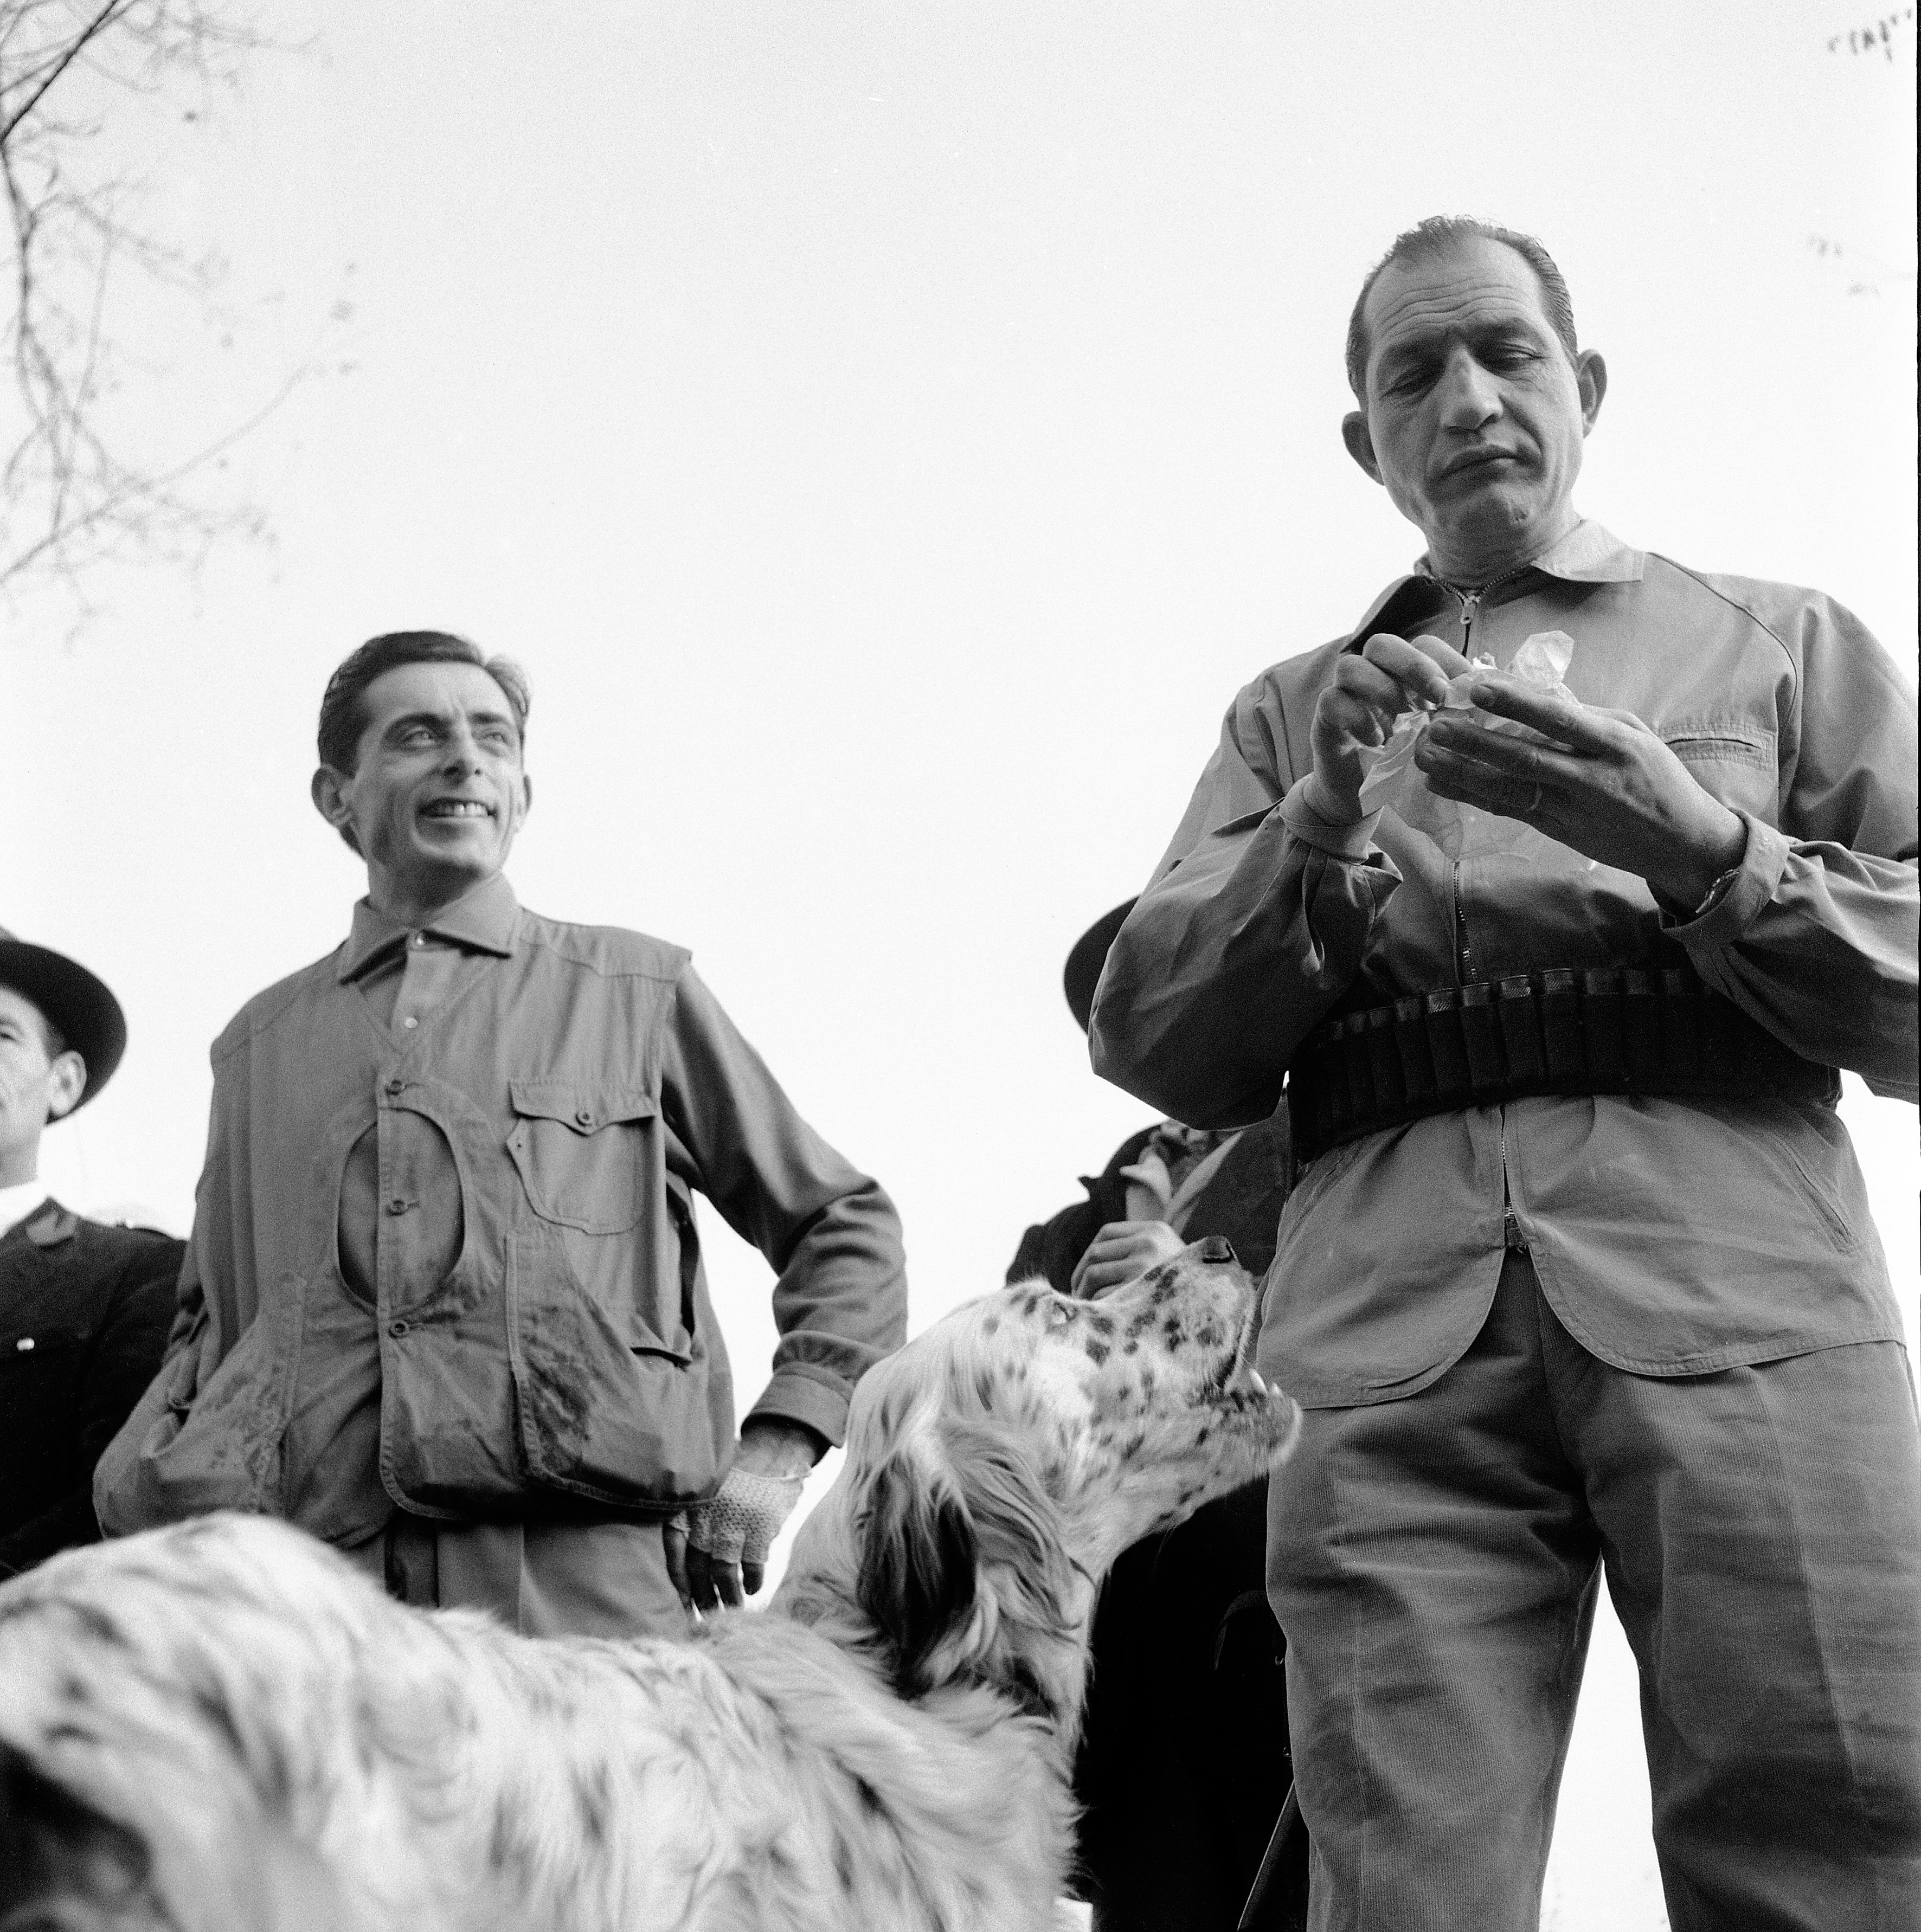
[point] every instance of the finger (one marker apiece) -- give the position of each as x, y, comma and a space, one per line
1364, 693
1469, 782
752, 1576
1566, 719
727, 1579
673, 1538
1455, 733
1452, 663
1106, 1250
1096, 1278
1420, 667
700, 1579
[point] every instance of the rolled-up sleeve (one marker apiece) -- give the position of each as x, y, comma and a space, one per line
829, 1232
1256, 918
1815, 936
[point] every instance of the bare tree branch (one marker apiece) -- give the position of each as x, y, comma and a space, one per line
79, 487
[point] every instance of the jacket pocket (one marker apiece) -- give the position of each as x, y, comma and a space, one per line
580, 1150
207, 1434
607, 1409
1735, 761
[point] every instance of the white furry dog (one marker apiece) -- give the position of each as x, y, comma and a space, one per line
223, 1727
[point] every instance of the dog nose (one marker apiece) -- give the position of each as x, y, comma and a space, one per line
1218, 1248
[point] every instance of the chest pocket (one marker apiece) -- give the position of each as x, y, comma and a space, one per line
579, 1148
1732, 759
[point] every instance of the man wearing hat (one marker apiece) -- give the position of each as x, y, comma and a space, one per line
84, 1308
1182, 1768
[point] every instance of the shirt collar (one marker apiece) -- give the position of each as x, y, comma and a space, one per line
19, 1203
1589, 553
484, 920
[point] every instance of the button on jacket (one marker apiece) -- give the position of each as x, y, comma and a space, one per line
1672, 1236
444, 1252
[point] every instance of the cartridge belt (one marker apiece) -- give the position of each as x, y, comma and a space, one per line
1597, 1029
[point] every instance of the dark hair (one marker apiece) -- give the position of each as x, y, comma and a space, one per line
343, 707
1434, 236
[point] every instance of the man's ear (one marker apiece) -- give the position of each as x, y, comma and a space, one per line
1591, 374
328, 791
1360, 444
66, 1081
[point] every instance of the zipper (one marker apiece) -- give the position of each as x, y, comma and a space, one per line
1463, 947
1511, 1236
1469, 601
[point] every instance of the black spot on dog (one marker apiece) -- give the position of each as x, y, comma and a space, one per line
992, 1326
590, 1797
1097, 1352
871, 1800
500, 1851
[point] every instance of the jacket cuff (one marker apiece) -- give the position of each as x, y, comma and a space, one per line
795, 1396
1728, 917
1352, 839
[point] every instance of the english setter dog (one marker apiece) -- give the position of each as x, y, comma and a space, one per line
222, 1726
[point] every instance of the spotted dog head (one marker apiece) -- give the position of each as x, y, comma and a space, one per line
999, 1463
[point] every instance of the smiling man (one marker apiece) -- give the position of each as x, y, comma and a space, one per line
1579, 1270
444, 1305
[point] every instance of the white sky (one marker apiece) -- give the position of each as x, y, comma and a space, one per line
888, 436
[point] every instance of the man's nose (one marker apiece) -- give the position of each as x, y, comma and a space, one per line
1469, 395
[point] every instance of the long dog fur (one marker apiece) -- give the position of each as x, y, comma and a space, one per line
223, 1726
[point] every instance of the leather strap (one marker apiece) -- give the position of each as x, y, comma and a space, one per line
1600, 1030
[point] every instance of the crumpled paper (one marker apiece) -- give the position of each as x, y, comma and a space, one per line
1394, 782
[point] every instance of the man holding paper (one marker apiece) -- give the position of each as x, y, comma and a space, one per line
1579, 1270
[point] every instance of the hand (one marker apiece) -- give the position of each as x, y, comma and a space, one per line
1608, 786
719, 1557
1122, 1252
1391, 675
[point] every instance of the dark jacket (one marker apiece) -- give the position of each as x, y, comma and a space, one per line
84, 1312
1243, 1201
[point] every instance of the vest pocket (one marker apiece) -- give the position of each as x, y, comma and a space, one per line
604, 1408
579, 1150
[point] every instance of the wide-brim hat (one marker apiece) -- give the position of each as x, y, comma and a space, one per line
1089, 955
80, 1007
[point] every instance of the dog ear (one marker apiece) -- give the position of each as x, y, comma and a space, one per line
962, 1566
918, 1565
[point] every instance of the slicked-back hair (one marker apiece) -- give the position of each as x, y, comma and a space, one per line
1436, 236
344, 707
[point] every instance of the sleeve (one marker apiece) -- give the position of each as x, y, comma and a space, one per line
1815, 936
1257, 917
829, 1232
122, 1360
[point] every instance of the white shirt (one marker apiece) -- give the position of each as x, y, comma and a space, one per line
17, 1203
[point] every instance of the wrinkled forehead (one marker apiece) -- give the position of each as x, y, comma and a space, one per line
1469, 287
